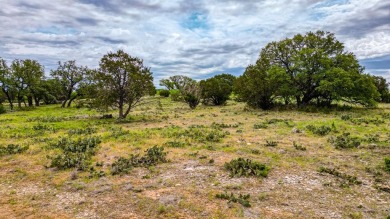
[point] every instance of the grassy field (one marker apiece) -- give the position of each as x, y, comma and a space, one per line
315, 169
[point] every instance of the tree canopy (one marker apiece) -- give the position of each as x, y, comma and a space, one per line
306, 68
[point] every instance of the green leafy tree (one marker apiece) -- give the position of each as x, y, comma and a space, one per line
189, 89
122, 81
217, 89
6, 83
167, 83
311, 67
70, 76
383, 88
27, 76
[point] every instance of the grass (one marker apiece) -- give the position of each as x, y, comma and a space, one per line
294, 145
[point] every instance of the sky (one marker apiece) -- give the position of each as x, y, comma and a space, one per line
196, 38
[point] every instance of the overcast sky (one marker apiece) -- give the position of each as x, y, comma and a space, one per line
194, 38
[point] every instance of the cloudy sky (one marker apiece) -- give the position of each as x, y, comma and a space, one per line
197, 38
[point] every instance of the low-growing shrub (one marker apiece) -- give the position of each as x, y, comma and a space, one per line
42, 127
176, 95
174, 144
164, 93
344, 141
152, 157
242, 199
223, 125
320, 130
271, 143
260, 126
86, 131
299, 146
387, 164
246, 167
350, 180
372, 137
12, 149
74, 153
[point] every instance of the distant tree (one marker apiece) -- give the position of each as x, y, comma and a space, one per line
189, 89
383, 88
164, 93
27, 75
311, 67
167, 83
217, 89
122, 81
70, 76
6, 82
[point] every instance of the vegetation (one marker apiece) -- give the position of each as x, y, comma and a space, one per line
216, 90
246, 167
12, 149
242, 199
306, 68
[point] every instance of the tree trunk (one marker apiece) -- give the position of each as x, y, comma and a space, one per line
30, 101
36, 101
63, 103
11, 105
127, 112
71, 100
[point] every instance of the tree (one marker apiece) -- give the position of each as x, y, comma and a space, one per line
217, 89
311, 67
189, 89
383, 88
122, 81
69, 75
167, 83
6, 82
27, 76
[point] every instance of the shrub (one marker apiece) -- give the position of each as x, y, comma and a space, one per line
176, 96
192, 100
299, 146
260, 126
152, 157
174, 144
270, 143
75, 153
2, 109
345, 141
86, 131
164, 93
372, 137
349, 179
387, 164
42, 127
246, 167
242, 199
321, 130
12, 149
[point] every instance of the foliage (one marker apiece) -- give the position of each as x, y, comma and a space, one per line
307, 68
271, 143
298, 146
242, 199
351, 180
86, 131
2, 109
74, 153
217, 89
164, 93
12, 149
122, 81
387, 164
246, 167
383, 88
319, 130
175, 95
152, 157
345, 141
189, 89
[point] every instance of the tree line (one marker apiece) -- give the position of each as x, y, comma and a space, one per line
306, 69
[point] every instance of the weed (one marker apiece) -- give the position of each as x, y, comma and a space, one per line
372, 137
348, 180
299, 146
260, 126
242, 199
344, 141
153, 156
320, 130
223, 125
2, 109
86, 131
75, 153
174, 144
246, 167
42, 127
12, 149
271, 143
387, 164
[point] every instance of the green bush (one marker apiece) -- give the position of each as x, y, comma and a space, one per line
320, 130
152, 157
12, 149
164, 93
2, 109
344, 141
176, 95
242, 199
299, 146
246, 167
387, 164
74, 153
350, 180
86, 131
